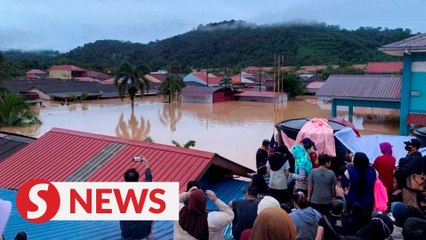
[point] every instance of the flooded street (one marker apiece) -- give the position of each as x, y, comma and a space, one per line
231, 129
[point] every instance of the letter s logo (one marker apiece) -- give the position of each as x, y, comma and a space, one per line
38, 201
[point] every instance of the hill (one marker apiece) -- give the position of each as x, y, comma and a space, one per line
238, 44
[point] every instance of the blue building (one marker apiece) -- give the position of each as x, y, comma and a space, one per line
413, 90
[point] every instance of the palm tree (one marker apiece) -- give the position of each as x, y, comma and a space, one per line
129, 80
172, 86
225, 82
14, 111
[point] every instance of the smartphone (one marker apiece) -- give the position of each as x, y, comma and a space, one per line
138, 159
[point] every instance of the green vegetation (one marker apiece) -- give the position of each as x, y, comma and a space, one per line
236, 43
190, 143
14, 111
226, 82
84, 96
129, 80
345, 68
172, 87
291, 85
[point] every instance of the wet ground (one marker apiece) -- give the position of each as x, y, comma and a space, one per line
231, 129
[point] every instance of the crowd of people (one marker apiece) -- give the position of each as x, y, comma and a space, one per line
295, 194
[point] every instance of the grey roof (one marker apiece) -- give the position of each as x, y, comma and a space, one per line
413, 44
56, 86
11, 143
370, 87
199, 90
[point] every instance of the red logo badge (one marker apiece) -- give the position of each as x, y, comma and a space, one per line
38, 201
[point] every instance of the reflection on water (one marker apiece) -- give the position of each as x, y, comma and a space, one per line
170, 115
231, 129
133, 129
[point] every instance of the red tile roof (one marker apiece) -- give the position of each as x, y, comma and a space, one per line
66, 155
384, 67
374, 87
416, 119
66, 68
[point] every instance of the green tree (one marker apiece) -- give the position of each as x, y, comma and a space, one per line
172, 87
84, 96
14, 111
190, 143
225, 82
291, 85
129, 80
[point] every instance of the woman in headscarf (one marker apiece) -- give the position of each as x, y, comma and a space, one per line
385, 165
360, 179
194, 221
379, 228
273, 223
278, 166
302, 169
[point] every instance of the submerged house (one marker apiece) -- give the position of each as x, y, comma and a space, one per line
35, 73
413, 89
204, 94
66, 71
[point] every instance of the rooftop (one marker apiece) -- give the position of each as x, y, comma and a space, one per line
384, 67
11, 143
66, 155
416, 43
370, 87
66, 68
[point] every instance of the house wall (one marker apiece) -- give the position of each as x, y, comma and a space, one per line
62, 74
221, 96
413, 91
418, 83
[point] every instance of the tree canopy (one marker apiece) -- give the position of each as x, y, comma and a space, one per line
233, 44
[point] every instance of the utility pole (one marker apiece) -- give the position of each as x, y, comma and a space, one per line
207, 75
260, 78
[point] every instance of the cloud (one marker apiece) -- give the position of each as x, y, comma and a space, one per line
64, 24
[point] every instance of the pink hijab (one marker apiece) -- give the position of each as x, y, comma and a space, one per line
5, 209
386, 148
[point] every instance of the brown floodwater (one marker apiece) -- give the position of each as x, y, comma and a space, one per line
231, 129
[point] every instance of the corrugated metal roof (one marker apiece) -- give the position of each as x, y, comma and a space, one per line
226, 190
34, 71
412, 44
416, 119
66, 68
11, 143
316, 84
384, 67
371, 87
266, 94
199, 90
62, 154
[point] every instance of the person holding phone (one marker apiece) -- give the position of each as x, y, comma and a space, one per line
137, 229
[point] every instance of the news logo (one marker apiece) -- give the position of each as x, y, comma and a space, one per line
40, 201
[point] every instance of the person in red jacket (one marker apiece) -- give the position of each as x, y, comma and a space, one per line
385, 165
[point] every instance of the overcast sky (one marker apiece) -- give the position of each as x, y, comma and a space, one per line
66, 24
